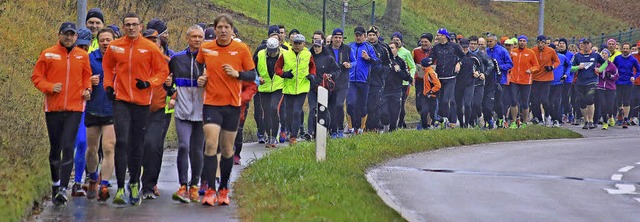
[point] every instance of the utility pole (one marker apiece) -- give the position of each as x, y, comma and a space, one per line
345, 5
268, 13
373, 12
82, 14
324, 16
541, 17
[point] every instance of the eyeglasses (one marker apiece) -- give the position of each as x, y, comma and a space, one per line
131, 24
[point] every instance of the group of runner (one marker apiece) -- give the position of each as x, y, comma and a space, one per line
125, 86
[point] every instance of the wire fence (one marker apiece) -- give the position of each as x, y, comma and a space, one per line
632, 35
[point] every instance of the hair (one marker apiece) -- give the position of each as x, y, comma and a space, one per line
394, 43
131, 15
109, 30
223, 17
194, 28
318, 32
492, 36
282, 27
626, 43
572, 47
473, 38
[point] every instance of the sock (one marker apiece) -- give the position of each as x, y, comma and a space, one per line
209, 169
104, 182
225, 171
93, 176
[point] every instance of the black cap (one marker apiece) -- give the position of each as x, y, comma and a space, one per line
157, 24
541, 38
273, 30
67, 26
294, 31
150, 33
464, 43
359, 30
95, 13
209, 34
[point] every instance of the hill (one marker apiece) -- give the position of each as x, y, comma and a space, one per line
30, 26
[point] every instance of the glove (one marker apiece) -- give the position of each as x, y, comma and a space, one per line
607, 75
142, 84
548, 68
287, 75
410, 80
430, 94
111, 94
310, 78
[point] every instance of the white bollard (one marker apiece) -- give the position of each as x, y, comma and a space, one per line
322, 124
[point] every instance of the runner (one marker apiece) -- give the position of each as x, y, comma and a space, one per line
566, 107
471, 70
446, 55
94, 22
326, 67
229, 62
626, 65
557, 91
491, 81
163, 34
131, 65
79, 161
392, 98
606, 91
346, 59
419, 53
258, 112
99, 123
504, 63
548, 61
584, 63
63, 74
429, 94
613, 48
366, 57
487, 69
525, 64
270, 88
408, 59
376, 79
298, 69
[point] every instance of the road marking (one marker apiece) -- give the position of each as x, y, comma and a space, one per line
616, 177
622, 189
625, 169
638, 163
637, 199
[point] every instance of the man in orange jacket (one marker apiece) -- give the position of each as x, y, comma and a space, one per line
541, 86
63, 74
133, 67
524, 65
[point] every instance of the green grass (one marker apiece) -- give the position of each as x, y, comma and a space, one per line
289, 185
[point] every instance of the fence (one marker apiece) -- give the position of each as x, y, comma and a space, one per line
632, 36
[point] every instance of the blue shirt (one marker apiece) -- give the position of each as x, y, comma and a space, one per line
587, 76
625, 69
100, 104
503, 57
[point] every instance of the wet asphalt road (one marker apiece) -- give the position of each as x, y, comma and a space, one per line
589, 179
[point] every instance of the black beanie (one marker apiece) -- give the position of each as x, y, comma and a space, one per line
95, 13
428, 36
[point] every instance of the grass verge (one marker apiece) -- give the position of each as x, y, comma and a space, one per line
288, 184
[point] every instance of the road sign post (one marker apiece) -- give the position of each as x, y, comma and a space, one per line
322, 123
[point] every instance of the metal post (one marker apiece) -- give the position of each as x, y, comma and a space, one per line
324, 16
373, 12
82, 14
541, 17
345, 4
268, 13
321, 126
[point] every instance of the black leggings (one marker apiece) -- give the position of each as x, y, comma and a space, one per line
293, 107
153, 147
555, 109
390, 111
427, 108
336, 108
129, 121
237, 143
373, 108
271, 119
623, 94
540, 96
488, 103
403, 112
446, 99
62, 128
476, 103
464, 97
258, 114
606, 99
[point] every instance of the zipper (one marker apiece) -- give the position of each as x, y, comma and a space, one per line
66, 85
130, 73
519, 62
297, 71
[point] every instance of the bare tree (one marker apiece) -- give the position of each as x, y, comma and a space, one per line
392, 13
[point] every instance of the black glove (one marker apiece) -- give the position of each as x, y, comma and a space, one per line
548, 68
563, 78
287, 75
310, 77
142, 84
430, 94
607, 75
410, 80
111, 94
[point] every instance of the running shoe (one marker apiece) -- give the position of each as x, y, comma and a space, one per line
103, 193
120, 199
274, 142
210, 197
340, 134
181, 195
634, 121
571, 118
605, 126
194, 196
492, 124
586, 126
565, 119
77, 191
292, 141
549, 121
134, 194
203, 187
283, 136
236, 159
261, 139
625, 124
60, 199
92, 189
148, 195
334, 135
513, 125
535, 121
556, 123
592, 125
612, 122
223, 196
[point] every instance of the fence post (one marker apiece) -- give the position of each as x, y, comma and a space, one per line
322, 124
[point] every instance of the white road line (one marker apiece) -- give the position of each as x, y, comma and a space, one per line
637, 199
616, 177
623, 189
638, 163
625, 169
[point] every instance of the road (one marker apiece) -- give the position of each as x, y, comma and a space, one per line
161, 209
588, 179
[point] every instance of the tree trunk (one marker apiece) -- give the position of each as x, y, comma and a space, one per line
392, 13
